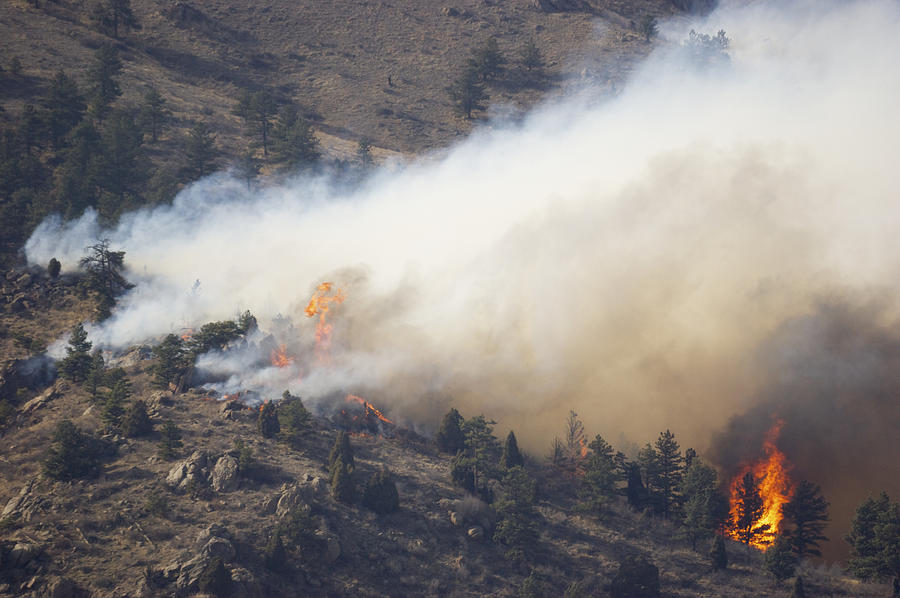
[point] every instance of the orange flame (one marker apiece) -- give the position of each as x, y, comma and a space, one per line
320, 304
280, 358
369, 407
775, 488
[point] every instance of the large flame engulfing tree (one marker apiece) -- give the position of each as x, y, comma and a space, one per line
320, 304
757, 525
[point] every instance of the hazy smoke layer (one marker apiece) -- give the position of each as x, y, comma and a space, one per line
631, 259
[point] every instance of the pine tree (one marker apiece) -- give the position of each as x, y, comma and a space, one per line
874, 539
511, 456
77, 363
635, 492
669, 471
136, 421
364, 152
798, 591
341, 450
63, 108
109, 15
293, 419
257, 109
153, 113
517, 528
341, 482
103, 267
104, 88
449, 437
647, 27
293, 140
705, 508
124, 166
467, 92
488, 60
77, 179
780, 560
73, 454
268, 423
274, 554
481, 446
200, 151
380, 493
648, 462
598, 484
114, 406
717, 555
530, 56
806, 513
96, 375
170, 441
171, 361
749, 510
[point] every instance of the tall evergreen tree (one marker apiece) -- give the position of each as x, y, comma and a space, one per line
705, 509
341, 450
104, 88
517, 528
717, 555
77, 179
342, 488
450, 437
77, 363
874, 539
467, 92
171, 361
511, 456
73, 454
481, 446
200, 151
153, 113
136, 421
114, 406
103, 267
806, 515
63, 108
598, 485
530, 56
124, 168
749, 509
488, 60
96, 375
293, 140
258, 110
170, 441
293, 418
635, 492
669, 471
780, 560
268, 423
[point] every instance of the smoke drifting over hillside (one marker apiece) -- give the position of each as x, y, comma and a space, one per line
657, 260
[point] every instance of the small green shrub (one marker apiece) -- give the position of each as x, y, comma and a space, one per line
380, 494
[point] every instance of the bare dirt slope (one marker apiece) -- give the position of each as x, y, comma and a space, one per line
333, 59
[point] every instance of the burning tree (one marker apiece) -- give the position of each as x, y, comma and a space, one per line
748, 510
772, 482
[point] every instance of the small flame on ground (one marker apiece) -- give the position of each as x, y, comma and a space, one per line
775, 487
320, 304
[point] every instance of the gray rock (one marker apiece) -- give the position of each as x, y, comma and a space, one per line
26, 504
225, 477
192, 469
218, 547
61, 587
291, 498
23, 553
24, 280
456, 519
213, 530
42, 399
476, 532
332, 546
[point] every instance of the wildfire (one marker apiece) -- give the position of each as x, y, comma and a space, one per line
280, 358
320, 304
775, 487
369, 408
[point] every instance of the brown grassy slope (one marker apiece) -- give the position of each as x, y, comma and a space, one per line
100, 534
331, 58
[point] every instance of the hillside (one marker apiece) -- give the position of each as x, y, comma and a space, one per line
333, 59
149, 526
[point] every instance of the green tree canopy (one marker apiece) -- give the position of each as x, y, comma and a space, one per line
806, 515
874, 539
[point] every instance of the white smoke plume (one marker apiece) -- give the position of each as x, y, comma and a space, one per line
624, 257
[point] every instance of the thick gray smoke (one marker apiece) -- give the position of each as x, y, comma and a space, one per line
629, 258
